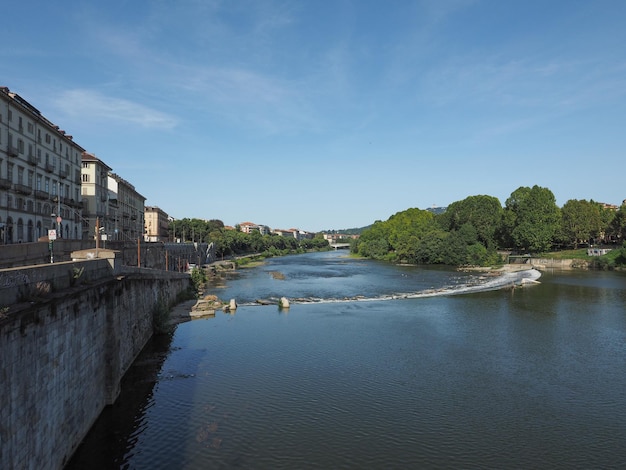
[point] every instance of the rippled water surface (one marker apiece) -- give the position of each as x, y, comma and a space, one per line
523, 378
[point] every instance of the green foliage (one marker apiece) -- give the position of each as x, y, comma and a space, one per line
580, 221
198, 278
416, 236
483, 213
194, 230
531, 219
161, 317
617, 225
235, 243
613, 259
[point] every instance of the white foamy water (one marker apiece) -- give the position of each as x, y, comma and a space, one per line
506, 280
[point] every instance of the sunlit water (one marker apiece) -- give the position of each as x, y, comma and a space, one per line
531, 377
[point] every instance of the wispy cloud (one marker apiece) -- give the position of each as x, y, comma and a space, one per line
89, 104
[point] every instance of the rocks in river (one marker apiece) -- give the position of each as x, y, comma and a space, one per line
283, 302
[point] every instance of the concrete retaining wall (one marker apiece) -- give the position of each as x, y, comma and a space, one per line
62, 359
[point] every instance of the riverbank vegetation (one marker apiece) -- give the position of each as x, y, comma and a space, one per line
232, 243
473, 231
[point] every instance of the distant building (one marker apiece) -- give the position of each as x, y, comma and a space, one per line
334, 237
597, 251
156, 225
293, 233
605, 205
40, 175
249, 227
127, 207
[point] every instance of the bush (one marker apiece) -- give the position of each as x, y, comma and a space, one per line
161, 317
198, 278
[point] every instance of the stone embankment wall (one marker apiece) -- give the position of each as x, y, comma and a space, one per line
63, 355
565, 264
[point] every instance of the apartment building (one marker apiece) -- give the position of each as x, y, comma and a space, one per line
126, 206
249, 227
40, 175
95, 192
156, 224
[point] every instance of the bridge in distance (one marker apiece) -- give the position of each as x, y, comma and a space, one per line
340, 246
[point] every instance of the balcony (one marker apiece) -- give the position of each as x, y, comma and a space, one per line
12, 151
5, 183
32, 160
49, 167
63, 173
104, 197
41, 194
23, 189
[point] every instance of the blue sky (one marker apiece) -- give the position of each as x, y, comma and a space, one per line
321, 114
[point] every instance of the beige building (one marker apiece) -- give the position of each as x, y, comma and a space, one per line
94, 174
40, 175
126, 206
156, 225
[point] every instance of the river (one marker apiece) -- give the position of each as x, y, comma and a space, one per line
379, 366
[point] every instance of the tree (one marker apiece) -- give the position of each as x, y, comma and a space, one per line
531, 218
580, 221
617, 228
484, 213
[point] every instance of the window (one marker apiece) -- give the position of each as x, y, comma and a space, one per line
30, 127
31, 173
54, 188
20, 145
10, 171
85, 178
85, 165
20, 175
47, 185
47, 138
38, 182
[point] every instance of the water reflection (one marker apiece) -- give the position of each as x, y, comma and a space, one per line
117, 430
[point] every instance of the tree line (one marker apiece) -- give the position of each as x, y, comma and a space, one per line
471, 231
230, 242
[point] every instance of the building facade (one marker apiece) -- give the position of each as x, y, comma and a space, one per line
95, 192
40, 175
156, 224
126, 206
